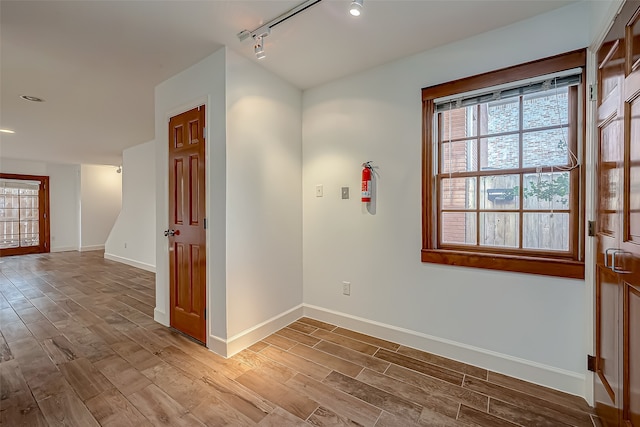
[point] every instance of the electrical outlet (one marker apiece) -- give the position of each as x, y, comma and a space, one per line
346, 288
125, 245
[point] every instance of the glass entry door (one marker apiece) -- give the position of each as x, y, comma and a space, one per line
24, 217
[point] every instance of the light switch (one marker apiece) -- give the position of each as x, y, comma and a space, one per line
319, 190
345, 192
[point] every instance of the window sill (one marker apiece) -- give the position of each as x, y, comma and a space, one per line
521, 264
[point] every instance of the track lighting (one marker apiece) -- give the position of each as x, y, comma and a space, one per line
356, 7
259, 47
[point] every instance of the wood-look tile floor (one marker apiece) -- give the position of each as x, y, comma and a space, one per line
79, 347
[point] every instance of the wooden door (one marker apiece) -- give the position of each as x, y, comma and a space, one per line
187, 239
617, 383
608, 328
630, 262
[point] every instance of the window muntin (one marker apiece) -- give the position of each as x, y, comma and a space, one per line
502, 181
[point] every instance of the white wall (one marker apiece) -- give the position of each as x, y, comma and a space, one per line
133, 237
525, 325
100, 203
64, 197
264, 195
203, 83
254, 240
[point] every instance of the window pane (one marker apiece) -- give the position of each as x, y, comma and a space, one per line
501, 152
458, 123
499, 229
460, 156
499, 192
547, 231
546, 191
458, 193
29, 240
459, 227
545, 148
500, 116
549, 108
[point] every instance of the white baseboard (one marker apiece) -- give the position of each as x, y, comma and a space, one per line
538, 373
64, 249
131, 262
248, 337
161, 317
91, 248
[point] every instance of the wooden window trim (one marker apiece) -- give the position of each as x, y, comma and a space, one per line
569, 265
44, 220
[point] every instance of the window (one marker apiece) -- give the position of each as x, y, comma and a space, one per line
502, 174
24, 223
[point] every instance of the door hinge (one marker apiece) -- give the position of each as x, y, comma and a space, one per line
591, 363
205, 313
44, 216
204, 131
205, 223
593, 92
591, 228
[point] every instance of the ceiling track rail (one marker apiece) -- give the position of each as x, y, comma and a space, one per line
265, 29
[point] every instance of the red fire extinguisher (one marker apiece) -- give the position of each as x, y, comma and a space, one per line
366, 182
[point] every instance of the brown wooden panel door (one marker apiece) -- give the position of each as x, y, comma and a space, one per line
632, 355
187, 238
609, 167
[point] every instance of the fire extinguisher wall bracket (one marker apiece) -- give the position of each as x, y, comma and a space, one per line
366, 182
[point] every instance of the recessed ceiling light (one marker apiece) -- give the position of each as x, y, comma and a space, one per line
7, 131
31, 98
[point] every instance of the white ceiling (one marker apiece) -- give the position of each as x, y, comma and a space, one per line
96, 63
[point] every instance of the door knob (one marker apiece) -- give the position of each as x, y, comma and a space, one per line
171, 233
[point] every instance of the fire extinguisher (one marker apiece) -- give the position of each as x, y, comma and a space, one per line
366, 182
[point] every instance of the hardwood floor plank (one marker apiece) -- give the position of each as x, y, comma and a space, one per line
521, 416
374, 396
542, 392
346, 342
435, 371
470, 416
322, 358
5, 351
444, 362
390, 420
8, 315
305, 328
299, 337
324, 417
111, 409
438, 387
531, 403
317, 323
352, 408
30, 315
279, 418
85, 379
280, 394
14, 331
43, 329
376, 342
279, 371
259, 346
297, 363
66, 409
436, 402
139, 357
122, 375
59, 349
353, 356
17, 405
238, 397
280, 341
161, 409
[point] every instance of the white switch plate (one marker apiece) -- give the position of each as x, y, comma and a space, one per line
346, 288
319, 190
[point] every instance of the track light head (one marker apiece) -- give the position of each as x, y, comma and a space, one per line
356, 7
259, 47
